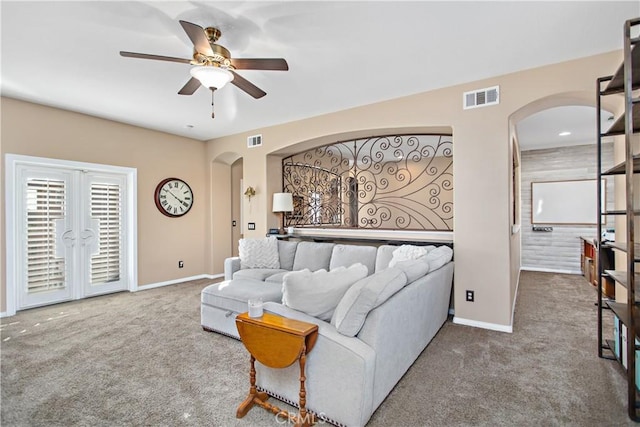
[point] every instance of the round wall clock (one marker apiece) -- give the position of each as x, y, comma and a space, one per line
173, 197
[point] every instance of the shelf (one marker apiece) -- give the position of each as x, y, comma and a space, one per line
621, 278
628, 310
619, 212
621, 168
616, 85
622, 246
622, 311
618, 127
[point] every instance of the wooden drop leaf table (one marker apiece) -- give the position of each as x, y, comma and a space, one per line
276, 342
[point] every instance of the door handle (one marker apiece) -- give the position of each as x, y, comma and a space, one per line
87, 236
64, 238
69, 238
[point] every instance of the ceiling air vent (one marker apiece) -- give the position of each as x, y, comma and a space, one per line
481, 97
254, 141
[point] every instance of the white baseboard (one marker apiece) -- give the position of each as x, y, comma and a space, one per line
483, 325
550, 270
173, 282
3, 314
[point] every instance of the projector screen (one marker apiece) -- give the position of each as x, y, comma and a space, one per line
565, 202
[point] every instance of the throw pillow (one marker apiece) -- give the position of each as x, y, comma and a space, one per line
364, 296
439, 257
259, 253
318, 293
408, 252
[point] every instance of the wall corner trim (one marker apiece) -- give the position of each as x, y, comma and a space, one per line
483, 325
515, 298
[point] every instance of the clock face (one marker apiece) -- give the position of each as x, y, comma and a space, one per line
173, 197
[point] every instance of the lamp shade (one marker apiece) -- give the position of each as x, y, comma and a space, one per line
282, 202
211, 76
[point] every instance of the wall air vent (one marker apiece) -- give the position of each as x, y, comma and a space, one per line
254, 141
481, 97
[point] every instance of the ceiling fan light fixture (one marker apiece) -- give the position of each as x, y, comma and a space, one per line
211, 76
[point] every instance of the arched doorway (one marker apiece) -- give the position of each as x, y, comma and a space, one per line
556, 139
226, 207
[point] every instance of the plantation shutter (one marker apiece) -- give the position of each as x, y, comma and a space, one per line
45, 202
106, 210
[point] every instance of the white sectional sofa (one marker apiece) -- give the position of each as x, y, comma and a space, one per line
379, 328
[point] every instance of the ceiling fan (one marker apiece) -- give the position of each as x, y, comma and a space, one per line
214, 66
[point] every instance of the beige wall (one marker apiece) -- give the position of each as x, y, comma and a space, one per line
487, 254
34, 130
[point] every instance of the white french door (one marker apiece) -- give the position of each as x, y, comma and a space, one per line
71, 233
46, 238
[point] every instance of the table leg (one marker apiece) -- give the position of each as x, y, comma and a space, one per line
248, 403
304, 418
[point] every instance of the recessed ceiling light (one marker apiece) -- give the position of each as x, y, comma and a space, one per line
565, 133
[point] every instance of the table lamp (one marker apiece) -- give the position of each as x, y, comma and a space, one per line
282, 202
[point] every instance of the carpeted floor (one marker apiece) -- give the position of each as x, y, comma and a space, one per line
142, 359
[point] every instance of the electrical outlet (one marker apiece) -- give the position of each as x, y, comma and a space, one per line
180, 264
251, 226
233, 223
470, 296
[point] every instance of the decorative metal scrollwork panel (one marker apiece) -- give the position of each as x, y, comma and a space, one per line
387, 182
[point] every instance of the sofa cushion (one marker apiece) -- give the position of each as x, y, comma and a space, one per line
287, 252
383, 256
277, 277
232, 295
413, 268
258, 273
318, 293
259, 253
409, 252
312, 255
364, 296
438, 257
347, 255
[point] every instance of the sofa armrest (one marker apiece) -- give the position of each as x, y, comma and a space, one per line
231, 265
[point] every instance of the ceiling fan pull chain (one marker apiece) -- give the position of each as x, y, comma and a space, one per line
213, 116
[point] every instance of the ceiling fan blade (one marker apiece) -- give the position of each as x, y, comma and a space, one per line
198, 38
247, 86
157, 57
192, 85
274, 64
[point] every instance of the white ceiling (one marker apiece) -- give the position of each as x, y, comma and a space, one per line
542, 130
340, 54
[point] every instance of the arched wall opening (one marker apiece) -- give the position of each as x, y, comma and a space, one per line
427, 205
557, 250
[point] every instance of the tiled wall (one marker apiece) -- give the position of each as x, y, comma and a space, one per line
558, 250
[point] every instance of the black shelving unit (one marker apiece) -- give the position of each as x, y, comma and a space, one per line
625, 80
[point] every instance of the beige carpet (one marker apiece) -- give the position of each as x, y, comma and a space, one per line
143, 360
